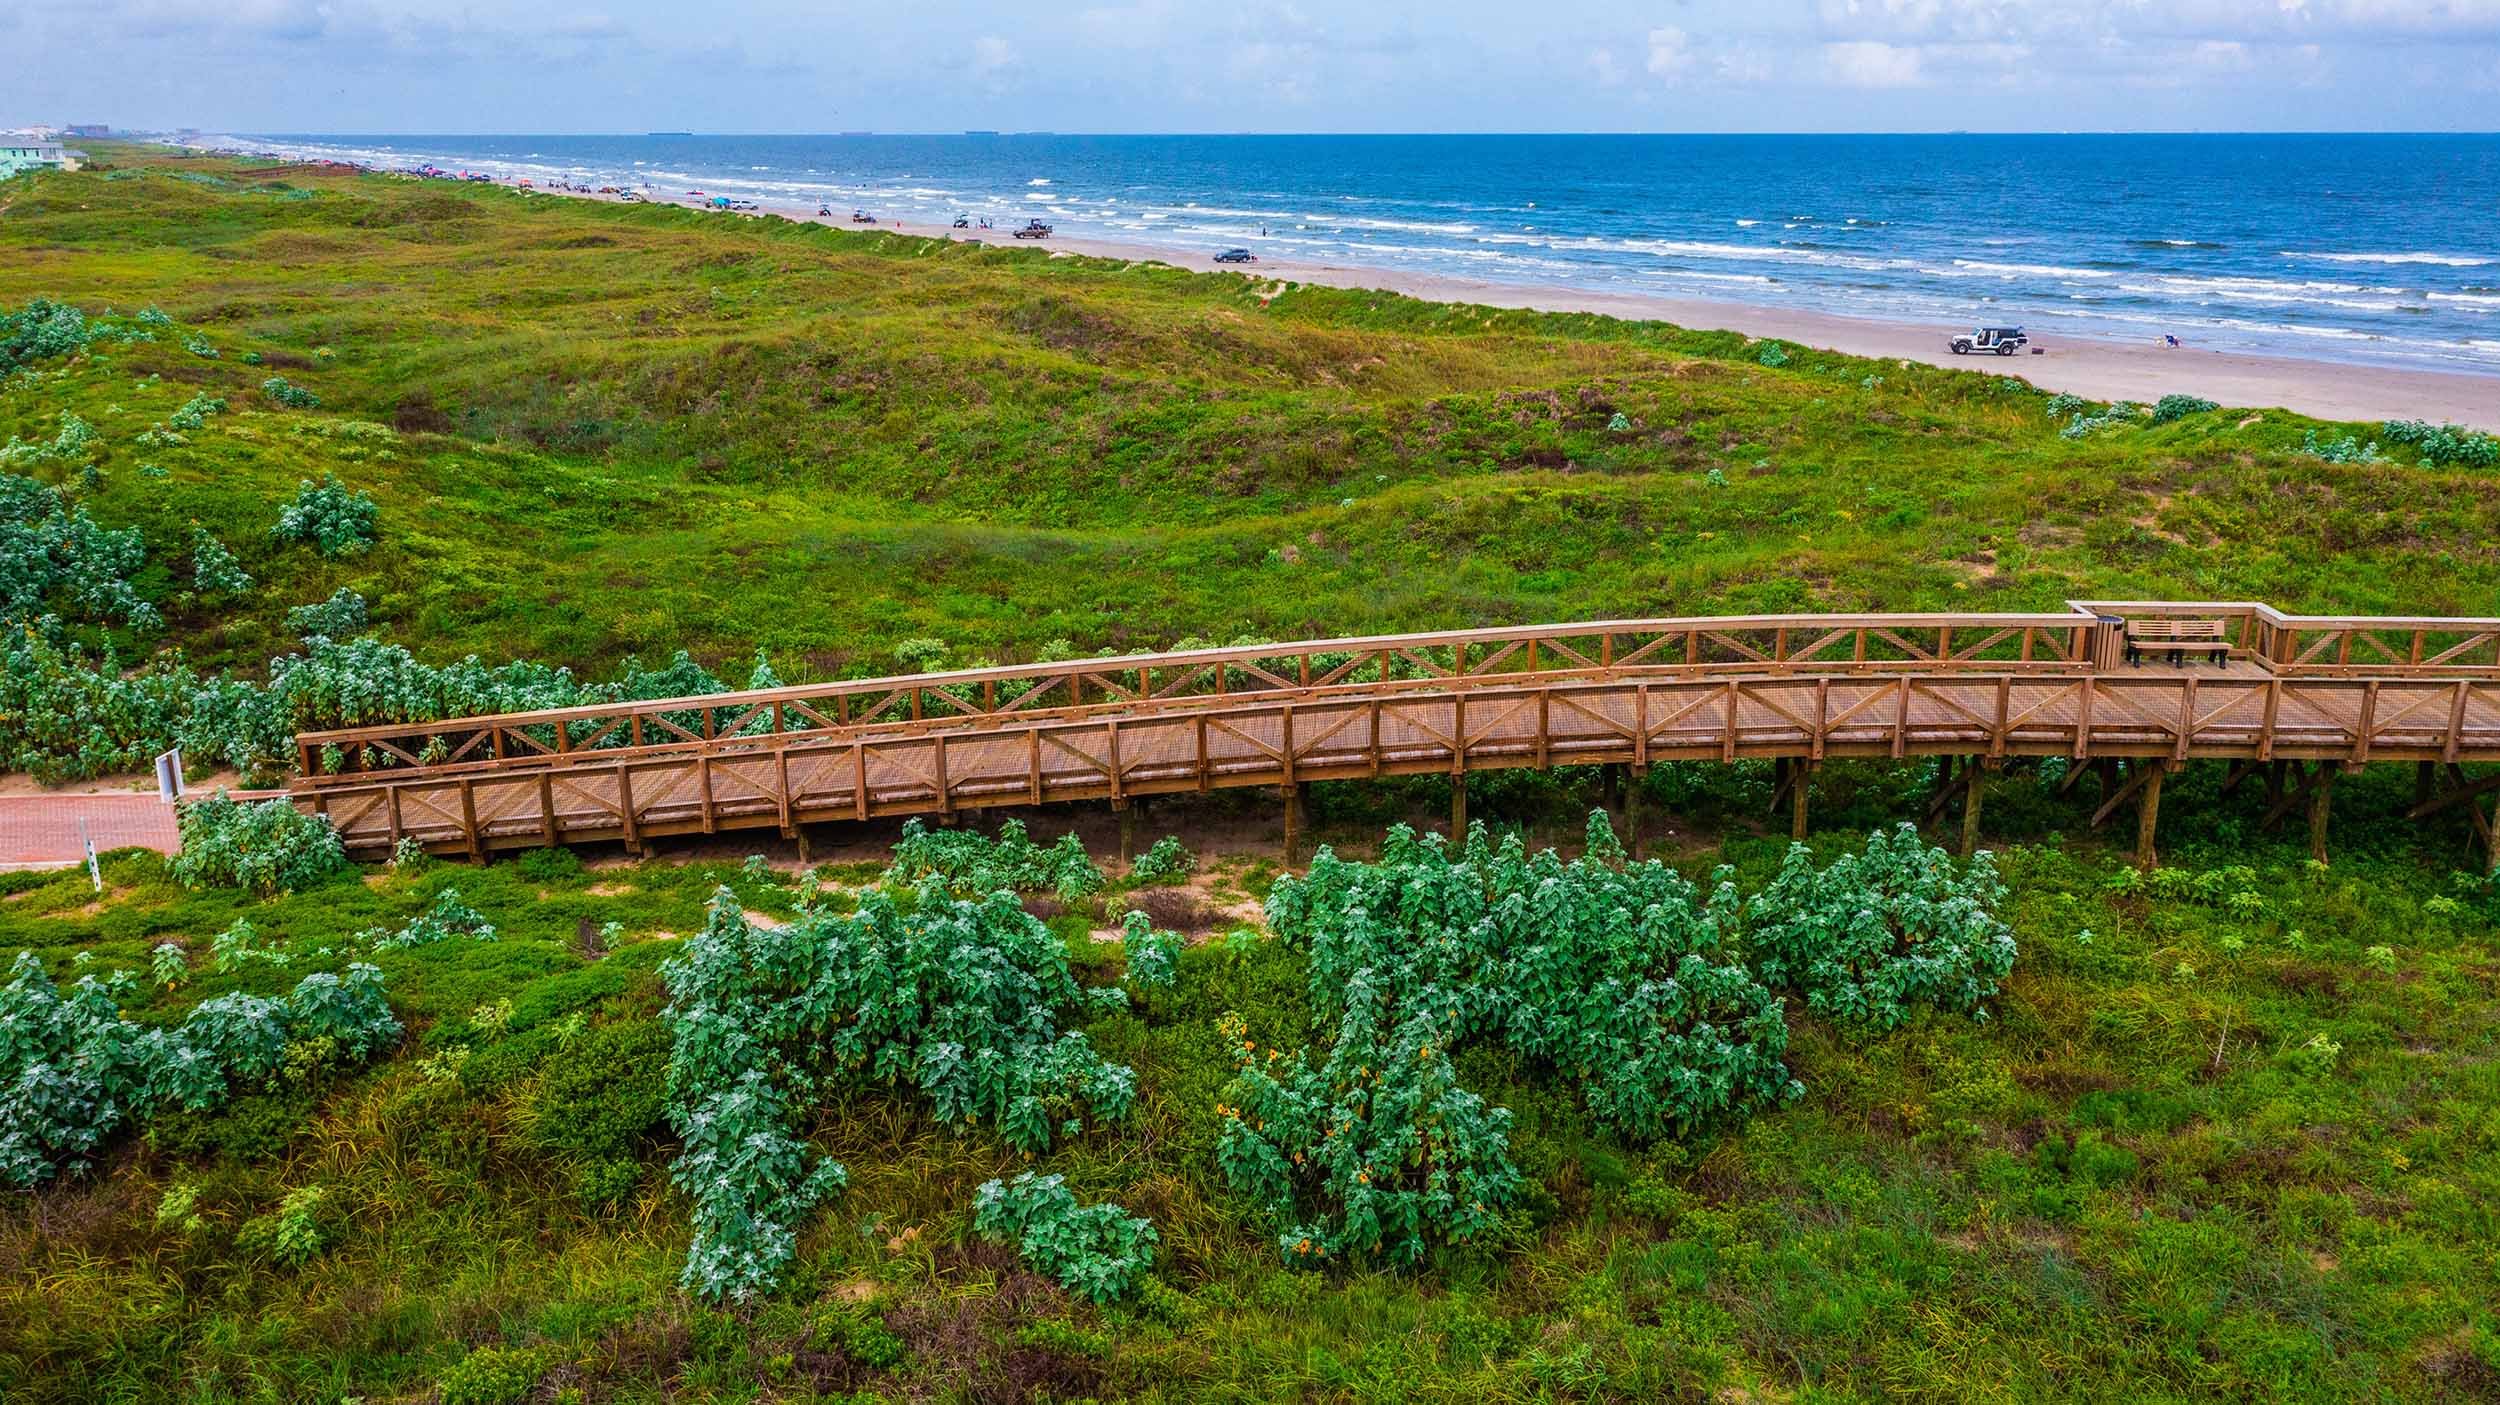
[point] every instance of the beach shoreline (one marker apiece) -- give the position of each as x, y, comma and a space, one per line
2097, 368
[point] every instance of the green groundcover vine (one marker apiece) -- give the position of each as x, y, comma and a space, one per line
73, 1072
965, 1001
1626, 980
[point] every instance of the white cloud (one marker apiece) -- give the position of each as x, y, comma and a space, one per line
1745, 64
1868, 63
992, 56
1605, 68
1670, 53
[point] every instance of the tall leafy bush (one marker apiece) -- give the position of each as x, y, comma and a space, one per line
1875, 935
962, 1000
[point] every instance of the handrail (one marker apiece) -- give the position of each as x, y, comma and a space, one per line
1723, 646
1230, 658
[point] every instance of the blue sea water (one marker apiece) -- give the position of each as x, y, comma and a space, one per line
2372, 248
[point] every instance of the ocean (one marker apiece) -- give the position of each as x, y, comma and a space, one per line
2382, 249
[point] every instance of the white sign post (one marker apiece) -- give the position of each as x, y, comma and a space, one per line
95, 871
169, 776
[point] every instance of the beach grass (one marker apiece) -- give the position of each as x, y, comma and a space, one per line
2229, 1133
597, 430
2144, 1176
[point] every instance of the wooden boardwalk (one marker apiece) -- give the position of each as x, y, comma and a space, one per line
2318, 695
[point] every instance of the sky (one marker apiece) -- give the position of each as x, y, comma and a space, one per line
465, 66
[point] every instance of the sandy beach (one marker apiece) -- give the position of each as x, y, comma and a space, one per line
2101, 369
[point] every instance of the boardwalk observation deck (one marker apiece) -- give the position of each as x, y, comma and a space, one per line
2321, 694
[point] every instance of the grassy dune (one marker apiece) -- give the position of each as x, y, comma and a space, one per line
2230, 1132
618, 429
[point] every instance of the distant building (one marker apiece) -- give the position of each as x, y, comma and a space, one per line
89, 129
21, 154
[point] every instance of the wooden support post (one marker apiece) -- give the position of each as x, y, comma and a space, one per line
799, 833
2319, 793
1940, 798
1632, 814
1973, 786
1610, 787
468, 820
1127, 814
2423, 774
1800, 781
2148, 816
1293, 825
2274, 782
1458, 806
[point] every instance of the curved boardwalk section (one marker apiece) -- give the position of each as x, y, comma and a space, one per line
2143, 684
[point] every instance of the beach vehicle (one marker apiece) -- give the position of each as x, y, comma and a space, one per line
1034, 229
962, 223
2004, 341
862, 217
1236, 256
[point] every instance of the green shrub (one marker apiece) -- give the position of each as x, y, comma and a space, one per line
73, 1072
57, 560
2348, 449
1877, 934
2443, 445
491, 1375
2179, 407
41, 330
338, 617
268, 846
1153, 956
1164, 861
1098, 1252
962, 1000
1611, 977
331, 517
970, 864
857, 1334
215, 574
286, 393
444, 918
292, 1234
195, 412
598, 1103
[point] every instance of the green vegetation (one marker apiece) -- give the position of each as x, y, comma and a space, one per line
266, 846
1095, 1251
962, 1000
1460, 1120
2226, 1131
873, 442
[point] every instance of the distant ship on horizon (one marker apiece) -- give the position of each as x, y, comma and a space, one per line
668, 134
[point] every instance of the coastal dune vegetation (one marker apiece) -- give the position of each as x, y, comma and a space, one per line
1510, 1115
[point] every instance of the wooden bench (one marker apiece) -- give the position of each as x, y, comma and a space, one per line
2179, 637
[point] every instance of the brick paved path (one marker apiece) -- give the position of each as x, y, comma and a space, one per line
41, 831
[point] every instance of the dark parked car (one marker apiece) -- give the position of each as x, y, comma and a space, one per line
1236, 256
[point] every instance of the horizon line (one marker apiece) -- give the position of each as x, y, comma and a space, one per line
1002, 133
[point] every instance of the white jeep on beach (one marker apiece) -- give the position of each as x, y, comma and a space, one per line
2004, 341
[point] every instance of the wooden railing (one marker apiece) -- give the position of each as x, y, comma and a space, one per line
1792, 686
1460, 658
